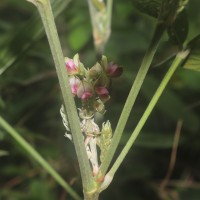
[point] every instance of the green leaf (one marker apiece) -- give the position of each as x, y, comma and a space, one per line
182, 4
178, 31
149, 7
193, 60
166, 10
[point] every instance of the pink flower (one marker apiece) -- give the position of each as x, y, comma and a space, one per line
85, 91
74, 83
102, 93
86, 95
71, 67
113, 70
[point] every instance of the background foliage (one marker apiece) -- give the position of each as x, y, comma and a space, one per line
30, 100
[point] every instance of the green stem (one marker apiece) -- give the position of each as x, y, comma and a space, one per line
35, 155
46, 14
148, 111
159, 30
91, 196
100, 15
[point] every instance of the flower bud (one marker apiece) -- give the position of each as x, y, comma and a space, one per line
103, 93
113, 70
104, 62
85, 91
99, 106
86, 95
105, 139
74, 84
95, 71
72, 69
80, 66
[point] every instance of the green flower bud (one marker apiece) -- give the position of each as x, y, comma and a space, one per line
105, 139
104, 62
80, 65
99, 106
95, 72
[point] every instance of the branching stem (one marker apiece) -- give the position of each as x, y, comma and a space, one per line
180, 56
160, 28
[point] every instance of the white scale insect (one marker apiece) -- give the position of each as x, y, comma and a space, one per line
87, 126
65, 122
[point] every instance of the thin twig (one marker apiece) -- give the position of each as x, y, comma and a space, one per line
173, 155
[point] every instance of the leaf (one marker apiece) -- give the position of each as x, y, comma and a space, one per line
178, 31
193, 60
149, 7
165, 10
168, 11
182, 4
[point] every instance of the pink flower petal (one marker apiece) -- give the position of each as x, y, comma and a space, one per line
101, 91
74, 83
113, 70
86, 95
85, 90
71, 67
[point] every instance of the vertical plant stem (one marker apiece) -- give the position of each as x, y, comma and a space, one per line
160, 28
173, 157
45, 11
36, 156
100, 15
91, 196
148, 111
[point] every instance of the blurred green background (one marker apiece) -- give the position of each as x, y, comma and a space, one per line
30, 100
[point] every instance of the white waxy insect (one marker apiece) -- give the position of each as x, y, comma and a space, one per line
65, 122
91, 130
